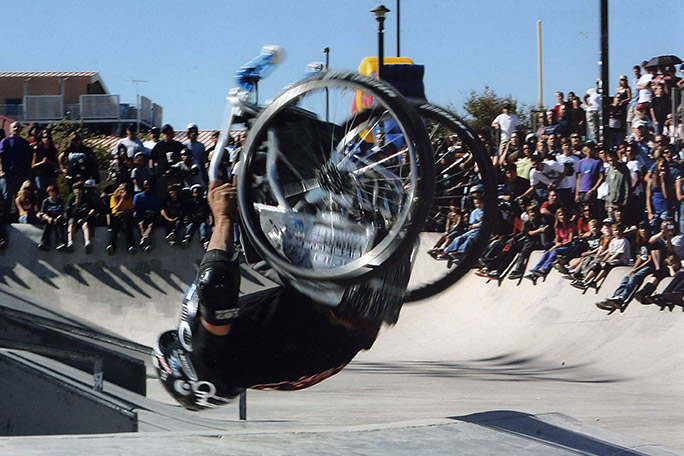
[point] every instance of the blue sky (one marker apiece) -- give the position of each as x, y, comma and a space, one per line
188, 51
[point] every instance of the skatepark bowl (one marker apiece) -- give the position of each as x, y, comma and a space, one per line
482, 368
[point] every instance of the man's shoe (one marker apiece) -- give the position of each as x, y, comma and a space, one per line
185, 243
88, 247
579, 284
515, 276
147, 248
110, 249
606, 305
43, 247
61, 247
131, 250
171, 236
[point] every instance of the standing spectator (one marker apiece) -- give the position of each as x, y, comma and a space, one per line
566, 187
590, 175
199, 152
560, 101
34, 131
624, 91
645, 86
172, 215
637, 201
153, 141
592, 104
121, 218
44, 162
660, 107
659, 193
27, 202
188, 171
576, 116
140, 173
506, 123
631, 110
52, 216
131, 142
79, 161
619, 183
197, 217
15, 163
616, 120
147, 206
79, 211
162, 156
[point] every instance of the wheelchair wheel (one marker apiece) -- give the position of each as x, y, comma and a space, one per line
326, 196
463, 169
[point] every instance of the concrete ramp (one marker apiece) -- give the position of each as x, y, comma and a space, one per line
480, 369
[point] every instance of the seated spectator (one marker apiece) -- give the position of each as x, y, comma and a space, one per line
454, 223
99, 218
502, 251
121, 219
618, 254
459, 246
659, 193
514, 186
44, 163
589, 258
643, 267
587, 244
146, 205
79, 211
565, 232
52, 216
523, 165
120, 169
197, 217
664, 243
172, 215
532, 230
27, 203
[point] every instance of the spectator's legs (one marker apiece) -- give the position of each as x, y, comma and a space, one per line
629, 284
189, 230
128, 232
85, 227
70, 232
204, 232
45, 238
527, 248
114, 227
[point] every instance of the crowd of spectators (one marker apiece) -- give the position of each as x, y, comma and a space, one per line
588, 206
158, 183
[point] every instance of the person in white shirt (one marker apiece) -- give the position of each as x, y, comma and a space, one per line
506, 123
153, 141
592, 106
131, 142
617, 255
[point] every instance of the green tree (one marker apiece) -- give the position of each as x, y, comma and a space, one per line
483, 107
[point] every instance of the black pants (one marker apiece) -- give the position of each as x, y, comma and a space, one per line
58, 229
528, 246
121, 224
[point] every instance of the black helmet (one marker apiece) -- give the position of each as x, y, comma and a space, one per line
177, 373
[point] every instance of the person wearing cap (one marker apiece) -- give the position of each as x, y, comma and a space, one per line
624, 91
592, 104
163, 156
199, 152
140, 172
645, 85
131, 142
188, 171
155, 133
197, 217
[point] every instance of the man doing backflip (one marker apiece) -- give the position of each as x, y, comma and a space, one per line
278, 338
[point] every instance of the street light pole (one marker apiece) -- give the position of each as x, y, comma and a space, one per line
605, 94
380, 11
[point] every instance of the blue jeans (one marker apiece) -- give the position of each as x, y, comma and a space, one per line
629, 284
193, 226
461, 243
548, 258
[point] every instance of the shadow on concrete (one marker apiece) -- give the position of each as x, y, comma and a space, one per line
510, 367
530, 427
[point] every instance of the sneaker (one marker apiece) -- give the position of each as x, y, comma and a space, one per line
182, 376
514, 276
142, 242
70, 247
579, 284
607, 305
61, 247
185, 243
560, 268
171, 236
131, 250
147, 248
3, 243
110, 249
205, 245
484, 272
493, 274
43, 247
532, 276
88, 247
172, 243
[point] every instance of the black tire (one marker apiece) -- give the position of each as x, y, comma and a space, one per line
298, 175
440, 123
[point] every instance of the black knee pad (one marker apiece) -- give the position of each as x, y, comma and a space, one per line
218, 287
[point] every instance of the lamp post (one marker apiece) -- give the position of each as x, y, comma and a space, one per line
380, 11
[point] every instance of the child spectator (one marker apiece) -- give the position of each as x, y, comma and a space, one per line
197, 217
189, 172
79, 211
121, 218
27, 203
147, 206
52, 215
172, 215
140, 173
590, 258
587, 244
454, 223
618, 254
459, 246
565, 232
79, 161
